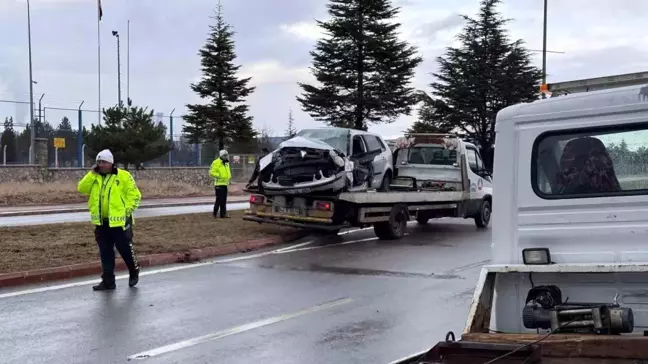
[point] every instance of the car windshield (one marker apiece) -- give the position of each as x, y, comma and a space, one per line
432, 155
337, 138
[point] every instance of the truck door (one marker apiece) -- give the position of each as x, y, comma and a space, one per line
480, 179
380, 160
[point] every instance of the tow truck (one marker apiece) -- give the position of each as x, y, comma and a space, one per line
568, 279
421, 190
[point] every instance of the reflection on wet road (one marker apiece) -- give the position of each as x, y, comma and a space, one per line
345, 299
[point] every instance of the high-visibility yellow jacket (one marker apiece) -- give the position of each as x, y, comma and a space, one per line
114, 196
221, 172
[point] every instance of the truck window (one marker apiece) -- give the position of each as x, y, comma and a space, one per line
582, 164
474, 160
432, 155
372, 143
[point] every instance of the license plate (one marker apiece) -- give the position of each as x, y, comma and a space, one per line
289, 210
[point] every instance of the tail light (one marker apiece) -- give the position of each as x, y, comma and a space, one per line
323, 205
256, 200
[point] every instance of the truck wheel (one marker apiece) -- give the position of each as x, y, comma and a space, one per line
483, 217
395, 227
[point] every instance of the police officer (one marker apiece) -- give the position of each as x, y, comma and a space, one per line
113, 197
220, 171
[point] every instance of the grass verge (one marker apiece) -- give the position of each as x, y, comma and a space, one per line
17, 194
46, 246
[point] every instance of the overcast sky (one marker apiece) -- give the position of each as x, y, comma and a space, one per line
273, 40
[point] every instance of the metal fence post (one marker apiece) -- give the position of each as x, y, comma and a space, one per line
56, 163
171, 134
83, 155
80, 145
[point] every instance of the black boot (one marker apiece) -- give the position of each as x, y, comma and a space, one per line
103, 286
133, 278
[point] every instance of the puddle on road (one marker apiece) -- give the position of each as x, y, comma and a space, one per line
360, 271
354, 332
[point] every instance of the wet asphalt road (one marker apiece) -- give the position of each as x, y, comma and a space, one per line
344, 299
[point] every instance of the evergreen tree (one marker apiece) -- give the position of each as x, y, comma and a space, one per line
8, 139
363, 69
486, 73
65, 124
429, 117
131, 135
224, 119
291, 131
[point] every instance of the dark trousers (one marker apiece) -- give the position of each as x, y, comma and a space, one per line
110, 238
221, 201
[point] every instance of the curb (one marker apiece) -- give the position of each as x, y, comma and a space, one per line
84, 209
94, 268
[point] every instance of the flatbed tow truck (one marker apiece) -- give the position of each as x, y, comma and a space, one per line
568, 281
388, 212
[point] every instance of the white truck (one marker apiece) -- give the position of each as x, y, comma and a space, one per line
568, 281
436, 175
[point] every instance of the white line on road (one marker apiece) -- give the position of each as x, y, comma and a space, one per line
236, 330
289, 249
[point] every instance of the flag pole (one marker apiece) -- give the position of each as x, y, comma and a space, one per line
99, 14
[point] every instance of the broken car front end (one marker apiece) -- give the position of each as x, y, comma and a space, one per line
302, 166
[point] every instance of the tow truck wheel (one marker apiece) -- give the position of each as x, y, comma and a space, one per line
483, 217
395, 227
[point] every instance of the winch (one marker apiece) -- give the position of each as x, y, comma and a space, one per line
545, 309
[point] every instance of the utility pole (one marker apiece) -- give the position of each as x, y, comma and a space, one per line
32, 134
119, 99
544, 48
128, 61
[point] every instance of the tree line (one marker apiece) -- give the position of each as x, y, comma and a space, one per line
364, 74
363, 71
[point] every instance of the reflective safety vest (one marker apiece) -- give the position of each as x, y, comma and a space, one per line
221, 172
116, 189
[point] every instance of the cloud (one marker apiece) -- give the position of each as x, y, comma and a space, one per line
303, 30
273, 72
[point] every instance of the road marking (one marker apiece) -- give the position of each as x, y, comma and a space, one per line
289, 249
236, 330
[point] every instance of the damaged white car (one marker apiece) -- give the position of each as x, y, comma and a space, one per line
327, 161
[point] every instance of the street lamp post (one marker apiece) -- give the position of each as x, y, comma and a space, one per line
116, 34
544, 46
32, 134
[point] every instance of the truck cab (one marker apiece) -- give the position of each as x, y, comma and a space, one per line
568, 279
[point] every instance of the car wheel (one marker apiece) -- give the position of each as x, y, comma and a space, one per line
386, 181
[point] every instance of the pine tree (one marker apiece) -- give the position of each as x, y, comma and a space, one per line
486, 73
363, 69
8, 139
131, 135
429, 117
65, 124
224, 119
291, 131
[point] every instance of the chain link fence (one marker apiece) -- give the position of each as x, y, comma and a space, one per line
66, 149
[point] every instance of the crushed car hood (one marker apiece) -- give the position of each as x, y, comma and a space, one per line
302, 165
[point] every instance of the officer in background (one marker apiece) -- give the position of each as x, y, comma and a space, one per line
220, 171
113, 197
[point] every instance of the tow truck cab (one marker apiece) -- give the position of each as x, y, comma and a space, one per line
568, 280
